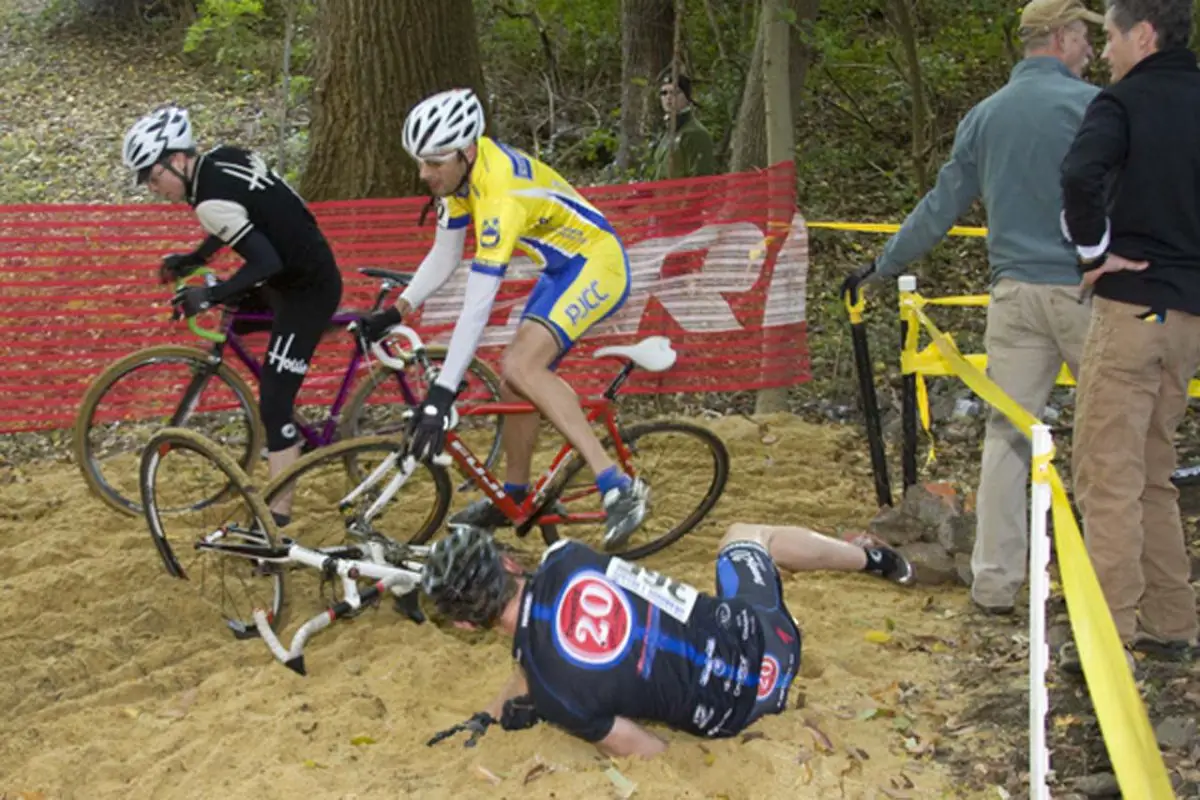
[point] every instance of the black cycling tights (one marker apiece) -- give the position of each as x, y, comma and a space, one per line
300, 319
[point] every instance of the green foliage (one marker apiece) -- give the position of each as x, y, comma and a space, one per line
228, 33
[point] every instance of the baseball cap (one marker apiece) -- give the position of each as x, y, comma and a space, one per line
1041, 16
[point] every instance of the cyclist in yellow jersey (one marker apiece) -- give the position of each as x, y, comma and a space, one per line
514, 202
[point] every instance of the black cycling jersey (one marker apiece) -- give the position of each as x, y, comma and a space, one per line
235, 192
600, 637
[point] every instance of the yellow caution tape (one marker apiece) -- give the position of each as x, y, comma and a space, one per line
1124, 724
888, 227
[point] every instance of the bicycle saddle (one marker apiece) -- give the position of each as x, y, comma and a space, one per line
654, 353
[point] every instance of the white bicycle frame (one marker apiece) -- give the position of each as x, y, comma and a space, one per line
397, 580
388, 578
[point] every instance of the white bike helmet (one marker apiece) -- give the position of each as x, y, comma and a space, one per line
444, 123
165, 130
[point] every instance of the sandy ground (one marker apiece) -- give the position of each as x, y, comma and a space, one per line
116, 682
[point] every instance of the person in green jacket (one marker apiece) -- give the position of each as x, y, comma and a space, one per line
685, 149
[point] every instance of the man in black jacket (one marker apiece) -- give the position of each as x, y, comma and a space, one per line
1131, 194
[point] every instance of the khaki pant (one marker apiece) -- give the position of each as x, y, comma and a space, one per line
1031, 330
1132, 395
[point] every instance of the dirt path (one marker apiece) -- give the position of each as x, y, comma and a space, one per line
117, 683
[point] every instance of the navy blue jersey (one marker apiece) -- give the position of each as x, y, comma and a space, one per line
600, 637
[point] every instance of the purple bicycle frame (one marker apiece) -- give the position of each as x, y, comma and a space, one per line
313, 436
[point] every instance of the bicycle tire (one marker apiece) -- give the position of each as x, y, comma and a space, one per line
348, 450
351, 427
169, 439
629, 435
104, 382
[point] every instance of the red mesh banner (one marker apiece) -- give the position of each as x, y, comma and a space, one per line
719, 266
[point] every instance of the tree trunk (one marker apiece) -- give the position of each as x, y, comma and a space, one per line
900, 14
748, 148
375, 59
647, 27
780, 130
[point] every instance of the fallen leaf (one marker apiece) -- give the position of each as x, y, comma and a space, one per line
889, 623
901, 723
131, 712
625, 787
867, 713
311, 764
361, 740
537, 771
819, 738
488, 775
709, 759
878, 637
1065, 720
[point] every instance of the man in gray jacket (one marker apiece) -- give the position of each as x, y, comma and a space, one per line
1007, 151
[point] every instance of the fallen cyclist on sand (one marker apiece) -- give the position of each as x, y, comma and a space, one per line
600, 642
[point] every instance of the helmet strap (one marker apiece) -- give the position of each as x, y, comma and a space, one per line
461, 189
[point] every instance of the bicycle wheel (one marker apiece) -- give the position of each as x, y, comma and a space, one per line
136, 396
686, 467
377, 408
319, 484
179, 461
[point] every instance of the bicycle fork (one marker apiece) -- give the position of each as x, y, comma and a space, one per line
195, 387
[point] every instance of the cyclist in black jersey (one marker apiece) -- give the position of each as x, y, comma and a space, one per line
289, 266
600, 642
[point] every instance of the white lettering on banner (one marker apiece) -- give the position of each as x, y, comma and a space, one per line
732, 258
278, 358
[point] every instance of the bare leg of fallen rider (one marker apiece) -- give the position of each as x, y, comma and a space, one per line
798, 549
526, 372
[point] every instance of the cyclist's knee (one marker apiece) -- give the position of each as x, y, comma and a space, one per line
747, 532
520, 370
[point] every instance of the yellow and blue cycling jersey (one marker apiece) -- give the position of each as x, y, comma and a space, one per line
518, 203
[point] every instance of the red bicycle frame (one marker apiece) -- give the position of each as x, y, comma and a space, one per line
522, 515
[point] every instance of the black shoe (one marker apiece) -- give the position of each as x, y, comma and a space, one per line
482, 514
889, 564
1163, 649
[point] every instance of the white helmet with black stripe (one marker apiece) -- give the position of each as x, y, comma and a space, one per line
164, 130
444, 123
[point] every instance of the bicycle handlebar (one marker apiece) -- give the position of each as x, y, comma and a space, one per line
209, 280
391, 361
